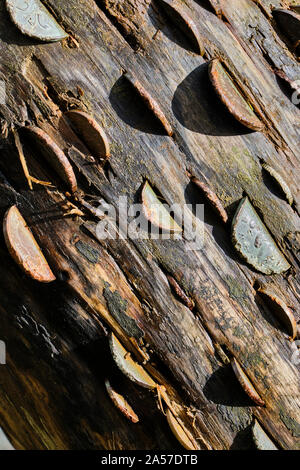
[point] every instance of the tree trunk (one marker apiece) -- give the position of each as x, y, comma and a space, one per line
53, 393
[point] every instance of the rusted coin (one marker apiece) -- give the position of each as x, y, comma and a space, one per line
180, 293
260, 438
245, 383
289, 23
23, 247
34, 20
156, 212
254, 243
120, 403
54, 155
231, 97
177, 12
212, 199
280, 182
130, 368
280, 309
150, 103
182, 434
92, 134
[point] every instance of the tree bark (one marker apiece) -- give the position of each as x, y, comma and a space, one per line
52, 390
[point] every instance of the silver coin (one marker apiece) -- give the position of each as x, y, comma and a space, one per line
33, 19
253, 241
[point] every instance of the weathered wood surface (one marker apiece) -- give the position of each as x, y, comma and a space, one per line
52, 389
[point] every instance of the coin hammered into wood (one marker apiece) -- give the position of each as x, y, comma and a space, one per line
177, 12
180, 293
280, 309
254, 243
181, 434
120, 403
33, 19
92, 134
54, 155
156, 212
246, 384
52, 392
151, 103
23, 247
212, 198
128, 366
260, 438
231, 97
280, 182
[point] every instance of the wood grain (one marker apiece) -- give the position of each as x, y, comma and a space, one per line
53, 387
